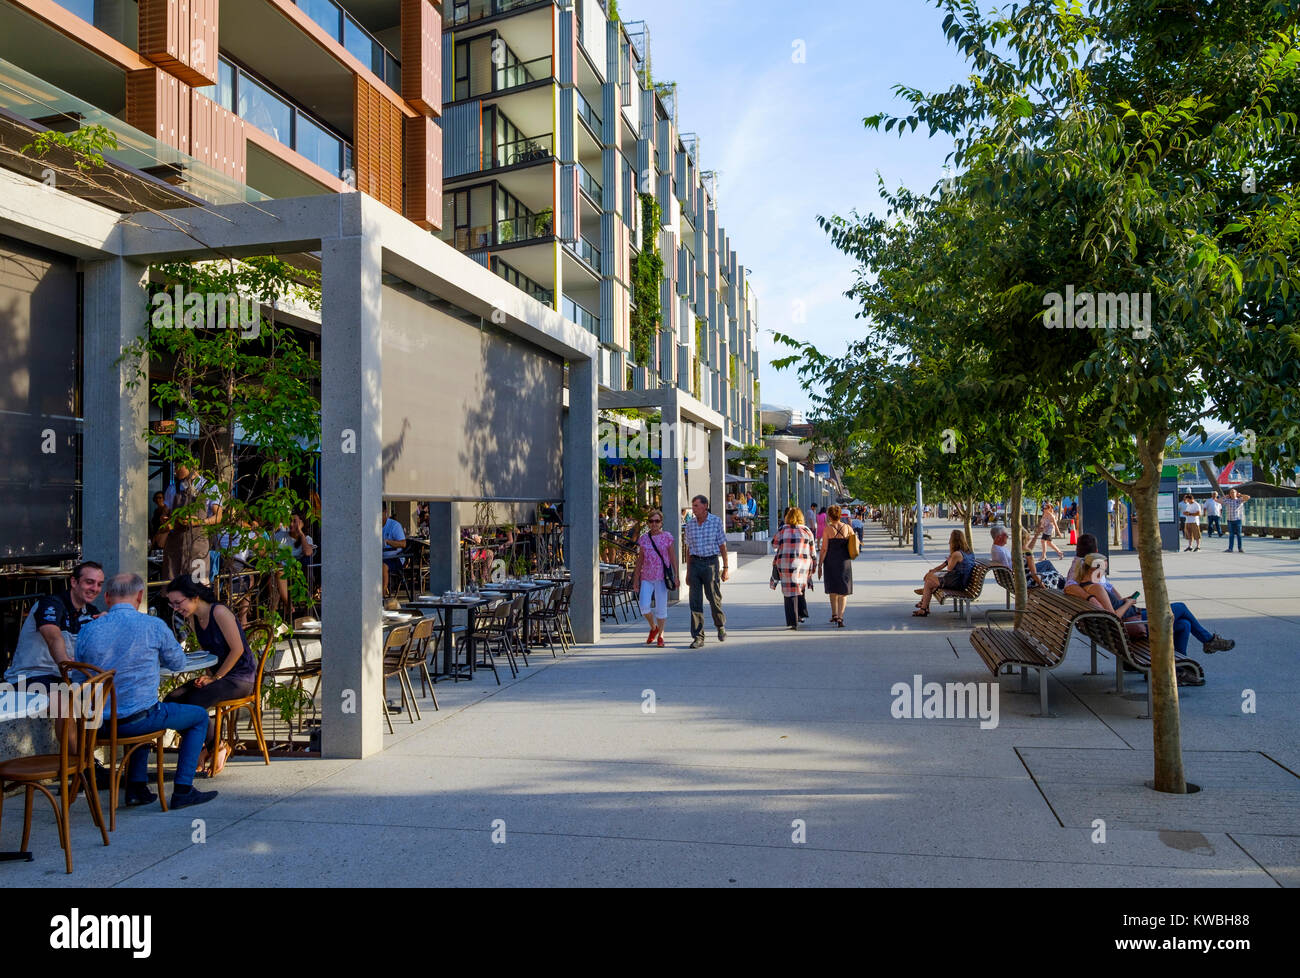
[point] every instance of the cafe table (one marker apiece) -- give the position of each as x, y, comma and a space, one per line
446, 608
194, 662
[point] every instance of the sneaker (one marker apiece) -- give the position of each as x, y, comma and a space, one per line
139, 794
192, 797
698, 643
1217, 643
661, 640
722, 634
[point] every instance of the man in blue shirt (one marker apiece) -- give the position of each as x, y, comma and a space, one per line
394, 544
706, 541
135, 645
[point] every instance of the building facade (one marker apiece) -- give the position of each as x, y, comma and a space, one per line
565, 171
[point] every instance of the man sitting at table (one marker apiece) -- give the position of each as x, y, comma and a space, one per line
394, 544
49, 635
136, 645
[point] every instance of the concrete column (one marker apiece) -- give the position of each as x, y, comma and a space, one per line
783, 484
671, 489
444, 548
774, 510
717, 474
114, 454
582, 500
352, 494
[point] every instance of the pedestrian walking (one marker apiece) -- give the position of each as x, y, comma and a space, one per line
706, 542
654, 573
835, 563
1192, 522
1213, 510
792, 565
1233, 510
1048, 528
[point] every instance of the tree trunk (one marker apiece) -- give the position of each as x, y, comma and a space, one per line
1166, 726
1017, 543
970, 538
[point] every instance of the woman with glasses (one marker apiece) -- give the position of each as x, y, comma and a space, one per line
656, 562
219, 633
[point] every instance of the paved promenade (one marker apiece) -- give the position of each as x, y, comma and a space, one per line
773, 759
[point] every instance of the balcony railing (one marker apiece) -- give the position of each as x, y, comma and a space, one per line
588, 252
514, 229
522, 73
467, 239
361, 44
588, 183
585, 111
517, 152
575, 313
468, 11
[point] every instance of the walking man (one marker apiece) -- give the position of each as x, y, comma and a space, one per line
1213, 510
1232, 512
706, 541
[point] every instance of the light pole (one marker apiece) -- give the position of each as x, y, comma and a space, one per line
918, 539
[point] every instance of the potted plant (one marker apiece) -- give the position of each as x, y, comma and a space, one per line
542, 222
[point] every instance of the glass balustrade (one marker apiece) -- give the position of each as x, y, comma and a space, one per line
588, 183
577, 314
345, 29
585, 111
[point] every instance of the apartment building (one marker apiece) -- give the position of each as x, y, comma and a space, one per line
565, 169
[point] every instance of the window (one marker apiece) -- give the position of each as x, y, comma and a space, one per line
270, 113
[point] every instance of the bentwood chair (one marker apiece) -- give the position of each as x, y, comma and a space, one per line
72, 768
117, 768
260, 637
396, 647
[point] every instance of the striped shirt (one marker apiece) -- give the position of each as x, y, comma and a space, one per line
1232, 508
705, 539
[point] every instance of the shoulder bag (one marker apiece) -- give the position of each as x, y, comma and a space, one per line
855, 547
670, 573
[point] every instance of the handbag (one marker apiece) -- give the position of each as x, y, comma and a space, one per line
855, 546
670, 573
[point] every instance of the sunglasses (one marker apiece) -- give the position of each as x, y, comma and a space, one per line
656, 521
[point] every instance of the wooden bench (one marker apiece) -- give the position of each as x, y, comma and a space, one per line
1110, 634
968, 594
1041, 639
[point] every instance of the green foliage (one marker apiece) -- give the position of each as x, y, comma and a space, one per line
288, 701
215, 381
647, 277
87, 144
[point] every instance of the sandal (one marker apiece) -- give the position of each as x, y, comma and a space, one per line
921, 613
223, 754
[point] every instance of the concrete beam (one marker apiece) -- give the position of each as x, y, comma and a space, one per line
582, 500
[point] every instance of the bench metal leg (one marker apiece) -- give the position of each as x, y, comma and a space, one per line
1149, 712
1042, 692
1119, 676
1093, 671
1024, 679
1008, 601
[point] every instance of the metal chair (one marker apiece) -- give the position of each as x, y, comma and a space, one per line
396, 647
417, 657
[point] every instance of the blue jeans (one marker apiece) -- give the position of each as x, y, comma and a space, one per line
1212, 525
191, 722
1234, 530
1185, 626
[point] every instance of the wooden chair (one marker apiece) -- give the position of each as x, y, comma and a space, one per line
422, 637
396, 647
117, 769
72, 769
260, 636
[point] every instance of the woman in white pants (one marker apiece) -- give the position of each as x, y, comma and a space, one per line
656, 563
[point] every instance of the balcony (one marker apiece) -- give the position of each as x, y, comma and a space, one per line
588, 183
467, 11
520, 73
255, 103
586, 251
577, 314
343, 27
516, 229
518, 152
588, 114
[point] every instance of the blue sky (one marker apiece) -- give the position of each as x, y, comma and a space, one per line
788, 141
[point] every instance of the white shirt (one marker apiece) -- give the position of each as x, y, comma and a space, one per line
1000, 555
1213, 507
1192, 513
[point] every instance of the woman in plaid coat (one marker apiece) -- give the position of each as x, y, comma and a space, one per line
795, 550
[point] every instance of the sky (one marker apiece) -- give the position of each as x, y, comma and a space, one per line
787, 139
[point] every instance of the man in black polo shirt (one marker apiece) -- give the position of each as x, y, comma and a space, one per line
49, 635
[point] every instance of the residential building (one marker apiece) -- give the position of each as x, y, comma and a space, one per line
556, 140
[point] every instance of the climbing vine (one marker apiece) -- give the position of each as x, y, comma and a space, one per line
647, 274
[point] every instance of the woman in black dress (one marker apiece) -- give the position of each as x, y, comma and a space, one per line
836, 564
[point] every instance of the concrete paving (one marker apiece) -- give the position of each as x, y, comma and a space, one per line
775, 759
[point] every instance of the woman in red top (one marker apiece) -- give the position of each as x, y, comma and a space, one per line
651, 577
